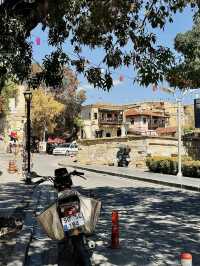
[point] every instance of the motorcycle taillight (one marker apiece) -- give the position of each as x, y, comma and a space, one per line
70, 211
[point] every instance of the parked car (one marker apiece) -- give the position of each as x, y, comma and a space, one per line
66, 149
51, 147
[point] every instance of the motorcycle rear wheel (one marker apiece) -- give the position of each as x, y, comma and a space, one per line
72, 252
80, 251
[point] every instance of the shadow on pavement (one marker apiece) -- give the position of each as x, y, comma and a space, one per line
156, 225
14, 201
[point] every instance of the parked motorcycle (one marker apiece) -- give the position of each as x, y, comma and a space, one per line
123, 157
76, 217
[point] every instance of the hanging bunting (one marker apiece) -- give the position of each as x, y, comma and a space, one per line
121, 78
37, 40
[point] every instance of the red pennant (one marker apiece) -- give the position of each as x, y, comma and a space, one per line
37, 40
121, 78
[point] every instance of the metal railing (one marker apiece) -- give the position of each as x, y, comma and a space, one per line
110, 121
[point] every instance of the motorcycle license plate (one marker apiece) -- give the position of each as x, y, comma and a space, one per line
72, 222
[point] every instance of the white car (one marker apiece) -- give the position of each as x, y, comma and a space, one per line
66, 149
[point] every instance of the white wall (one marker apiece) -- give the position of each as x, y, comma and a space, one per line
139, 124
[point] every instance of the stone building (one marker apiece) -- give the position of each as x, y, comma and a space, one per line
145, 122
187, 114
159, 118
143, 118
13, 122
102, 120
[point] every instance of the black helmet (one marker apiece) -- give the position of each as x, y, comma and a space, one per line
60, 172
62, 178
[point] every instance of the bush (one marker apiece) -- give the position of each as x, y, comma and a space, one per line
169, 165
191, 168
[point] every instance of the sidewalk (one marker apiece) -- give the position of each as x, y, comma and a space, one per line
20, 200
188, 183
15, 200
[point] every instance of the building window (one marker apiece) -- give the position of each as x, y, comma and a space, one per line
95, 116
99, 134
144, 120
83, 134
108, 135
132, 122
109, 115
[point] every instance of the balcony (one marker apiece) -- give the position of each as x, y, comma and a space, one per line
111, 121
154, 126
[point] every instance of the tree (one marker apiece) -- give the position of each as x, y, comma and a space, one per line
44, 112
72, 101
186, 71
70, 123
73, 105
123, 29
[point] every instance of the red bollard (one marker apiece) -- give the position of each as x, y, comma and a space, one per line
115, 230
186, 259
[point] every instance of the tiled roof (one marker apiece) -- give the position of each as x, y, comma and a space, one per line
105, 106
133, 112
35, 68
162, 130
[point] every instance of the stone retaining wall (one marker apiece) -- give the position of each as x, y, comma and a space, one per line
103, 151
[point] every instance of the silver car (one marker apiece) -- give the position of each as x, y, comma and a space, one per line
66, 149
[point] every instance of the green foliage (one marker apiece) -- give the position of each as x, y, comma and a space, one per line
44, 111
168, 165
9, 90
78, 122
72, 100
191, 169
188, 130
165, 165
113, 26
185, 73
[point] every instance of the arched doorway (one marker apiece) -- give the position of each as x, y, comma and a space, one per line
119, 132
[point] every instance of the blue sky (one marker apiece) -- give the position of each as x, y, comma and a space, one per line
123, 92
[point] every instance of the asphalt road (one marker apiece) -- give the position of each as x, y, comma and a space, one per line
156, 223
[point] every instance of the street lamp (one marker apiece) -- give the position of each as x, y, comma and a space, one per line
180, 101
28, 98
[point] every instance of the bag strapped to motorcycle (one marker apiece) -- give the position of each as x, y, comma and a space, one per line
50, 221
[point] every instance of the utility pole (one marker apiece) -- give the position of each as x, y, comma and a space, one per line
179, 138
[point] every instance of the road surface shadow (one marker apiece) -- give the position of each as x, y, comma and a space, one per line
156, 225
14, 201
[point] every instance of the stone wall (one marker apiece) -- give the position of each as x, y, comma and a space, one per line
103, 151
15, 119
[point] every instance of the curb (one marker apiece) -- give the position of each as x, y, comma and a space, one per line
138, 178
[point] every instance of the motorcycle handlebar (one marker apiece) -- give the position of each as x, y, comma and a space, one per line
77, 173
80, 174
51, 179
